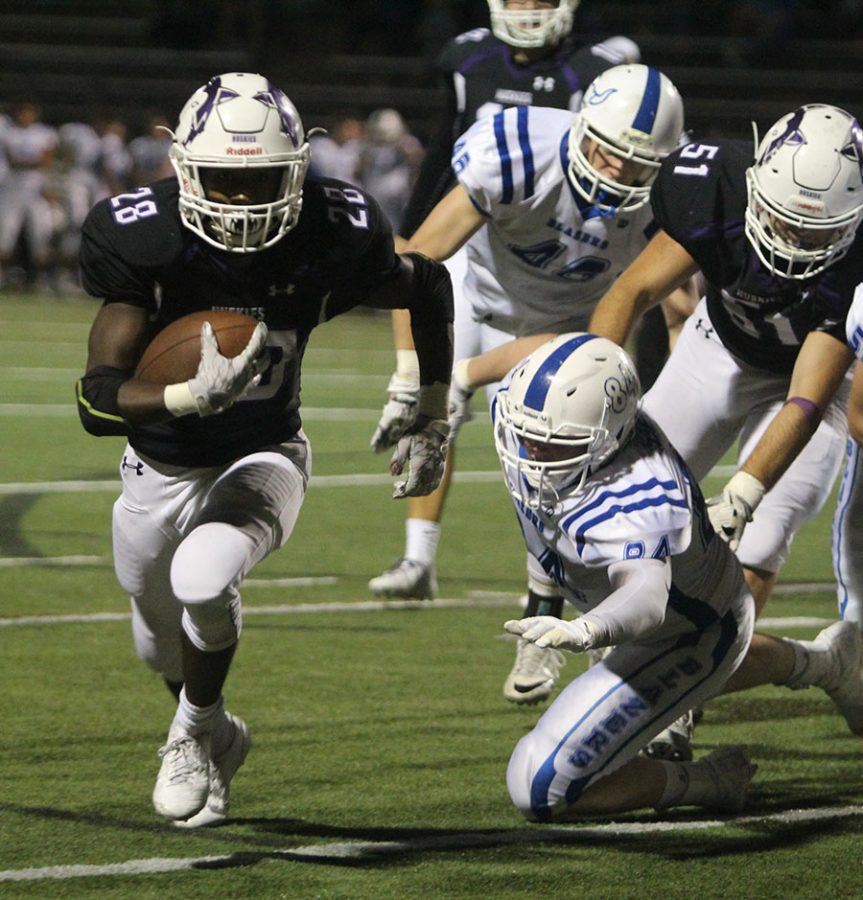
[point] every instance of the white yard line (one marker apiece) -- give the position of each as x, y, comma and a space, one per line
458, 841
497, 601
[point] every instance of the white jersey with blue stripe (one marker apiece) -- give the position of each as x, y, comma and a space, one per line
642, 504
854, 323
546, 256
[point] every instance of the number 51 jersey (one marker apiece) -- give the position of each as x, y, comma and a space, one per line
699, 199
546, 255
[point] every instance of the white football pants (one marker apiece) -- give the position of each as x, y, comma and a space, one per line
600, 721
705, 398
184, 539
848, 536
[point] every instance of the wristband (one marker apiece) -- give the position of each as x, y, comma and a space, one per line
460, 377
408, 366
810, 409
434, 400
179, 400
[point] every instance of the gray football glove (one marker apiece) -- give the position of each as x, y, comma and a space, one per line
220, 381
424, 450
549, 631
733, 508
399, 413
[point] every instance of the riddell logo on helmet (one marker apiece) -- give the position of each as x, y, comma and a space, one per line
244, 151
810, 206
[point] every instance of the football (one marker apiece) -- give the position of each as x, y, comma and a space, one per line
174, 353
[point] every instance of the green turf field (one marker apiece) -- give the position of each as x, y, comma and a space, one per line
380, 734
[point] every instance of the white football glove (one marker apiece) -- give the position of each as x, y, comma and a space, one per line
549, 631
425, 452
459, 399
733, 508
220, 381
399, 412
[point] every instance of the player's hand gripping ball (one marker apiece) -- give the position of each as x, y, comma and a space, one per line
174, 354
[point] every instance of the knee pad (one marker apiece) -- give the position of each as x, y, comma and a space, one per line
210, 561
205, 574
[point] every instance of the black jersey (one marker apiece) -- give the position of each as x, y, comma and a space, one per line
481, 78
135, 249
699, 199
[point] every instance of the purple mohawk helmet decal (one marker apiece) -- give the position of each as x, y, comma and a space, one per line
791, 135
853, 150
276, 99
216, 94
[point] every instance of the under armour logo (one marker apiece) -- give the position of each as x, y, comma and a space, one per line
138, 467
287, 290
700, 326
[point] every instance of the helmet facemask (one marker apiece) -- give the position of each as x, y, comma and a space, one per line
795, 245
543, 482
639, 170
527, 28
568, 409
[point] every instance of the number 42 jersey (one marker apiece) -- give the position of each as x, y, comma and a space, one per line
546, 255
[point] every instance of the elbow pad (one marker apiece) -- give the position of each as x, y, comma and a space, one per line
98, 407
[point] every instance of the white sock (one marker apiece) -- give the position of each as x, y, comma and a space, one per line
421, 542
814, 665
196, 720
687, 784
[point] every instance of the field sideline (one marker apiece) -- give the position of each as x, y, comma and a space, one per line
380, 734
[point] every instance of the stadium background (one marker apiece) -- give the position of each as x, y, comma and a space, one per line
381, 736
733, 61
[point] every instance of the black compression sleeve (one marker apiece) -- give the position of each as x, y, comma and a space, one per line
431, 309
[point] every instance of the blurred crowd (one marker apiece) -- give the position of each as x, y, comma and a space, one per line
271, 28
51, 176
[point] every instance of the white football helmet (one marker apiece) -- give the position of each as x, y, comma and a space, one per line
632, 113
528, 26
569, 407
805, 191
240, 138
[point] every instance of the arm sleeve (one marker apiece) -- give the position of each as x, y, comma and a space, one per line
431, 309
637, 604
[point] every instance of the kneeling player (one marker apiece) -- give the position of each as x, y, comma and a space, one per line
604, 500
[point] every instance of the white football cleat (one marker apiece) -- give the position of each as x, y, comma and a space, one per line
407, 578
730, 770
673, 744
845, 642
184, 780
534, 674
222, 769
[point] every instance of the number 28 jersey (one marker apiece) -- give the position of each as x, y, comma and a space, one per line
699, 199
135, 249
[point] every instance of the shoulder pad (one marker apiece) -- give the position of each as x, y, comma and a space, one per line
142, 226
